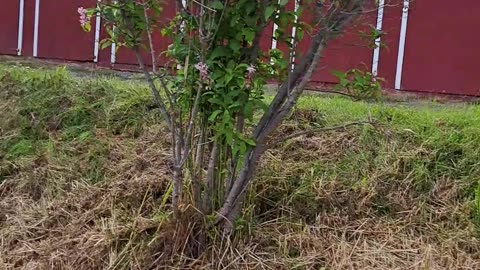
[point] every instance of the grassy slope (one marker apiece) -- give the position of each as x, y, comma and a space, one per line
84, 164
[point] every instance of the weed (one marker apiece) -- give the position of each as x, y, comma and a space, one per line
359, 84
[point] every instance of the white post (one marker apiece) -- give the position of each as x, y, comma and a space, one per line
113, 52
401, 47
96, 47
274, 41
35, 29
20, 26
294, 35
113, 57
376, 51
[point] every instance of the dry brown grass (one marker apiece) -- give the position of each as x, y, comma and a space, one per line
121, 225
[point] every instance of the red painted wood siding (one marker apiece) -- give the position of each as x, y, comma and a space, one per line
392, 20
442, 51
28, 28
124, 56
60, 35
350, 50
9, 26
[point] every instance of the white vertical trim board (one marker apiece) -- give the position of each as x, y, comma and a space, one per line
401, 47
96, 47
275, 28
376, 51
35, 29
294, 34
274, 41
21, 12
113, 56
113, 52
182, 28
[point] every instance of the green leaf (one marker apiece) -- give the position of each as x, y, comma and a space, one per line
228, 78
220, 52
214, 115
340, 75
300, 33
229, 137
249, 141
248, 109
105, 43
234, 45
226, 117
249, 34
217, 5
231, 65
283, 2
250, 6
87, 27
242, 147
269, 12
215, 100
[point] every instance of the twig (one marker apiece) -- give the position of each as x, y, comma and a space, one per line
332, 92
193, 116
204, 6
158, 98
149, 36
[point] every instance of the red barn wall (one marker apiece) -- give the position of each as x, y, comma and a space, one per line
387, 63
9, 13
125, 56
60, 35
28, 28
353, 49
440, 54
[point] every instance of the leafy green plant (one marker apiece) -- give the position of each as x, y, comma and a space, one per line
214, 86
358, 83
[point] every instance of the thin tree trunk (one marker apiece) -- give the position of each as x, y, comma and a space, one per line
149, 36
197, 168
282, 104
210, 181
177, 191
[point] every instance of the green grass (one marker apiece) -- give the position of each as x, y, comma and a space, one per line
58, 130
53, 105
45, 106
450, 134
418, 145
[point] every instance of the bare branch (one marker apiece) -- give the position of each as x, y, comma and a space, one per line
158, 98
332, 92
191, 123
149, 36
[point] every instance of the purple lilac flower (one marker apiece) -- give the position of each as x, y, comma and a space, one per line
203, 69
251, 71
84, 20
249, 76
